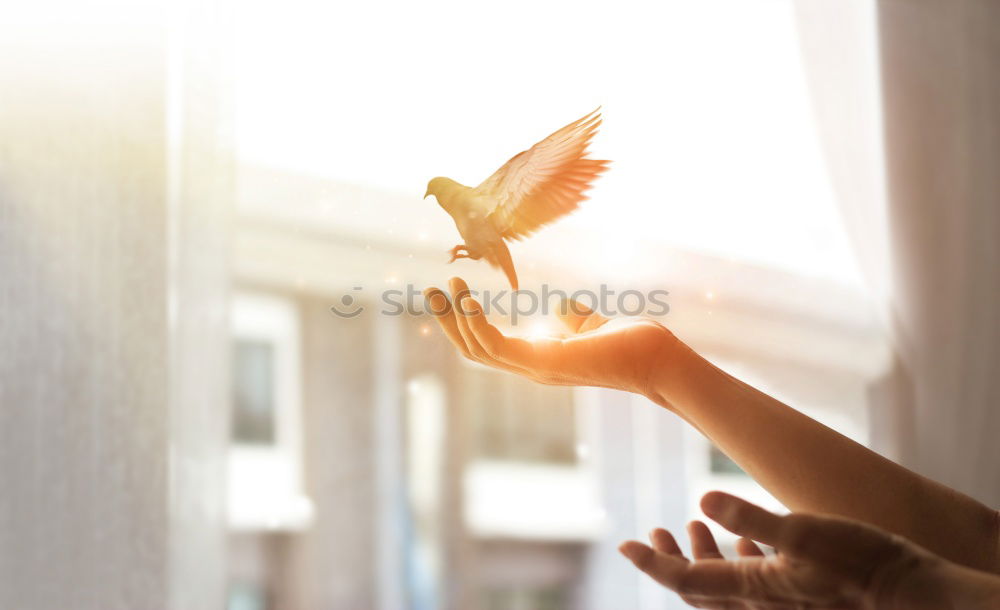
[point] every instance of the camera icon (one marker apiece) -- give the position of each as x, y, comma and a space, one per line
348, 308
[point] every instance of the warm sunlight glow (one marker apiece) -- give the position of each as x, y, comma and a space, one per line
539, 329
713, 150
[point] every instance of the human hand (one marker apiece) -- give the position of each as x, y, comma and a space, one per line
620, 353
822, 562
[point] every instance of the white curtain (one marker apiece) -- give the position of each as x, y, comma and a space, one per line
113, 334
907, 97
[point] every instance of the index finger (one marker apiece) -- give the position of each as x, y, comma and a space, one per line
852, 548
459, 290
513, 351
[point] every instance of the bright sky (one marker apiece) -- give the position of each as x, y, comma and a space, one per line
707, 116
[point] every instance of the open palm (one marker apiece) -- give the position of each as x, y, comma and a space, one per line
822, 563
615, 353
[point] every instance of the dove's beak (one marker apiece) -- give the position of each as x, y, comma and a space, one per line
427, 194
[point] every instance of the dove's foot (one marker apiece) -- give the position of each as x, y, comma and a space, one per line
455, 253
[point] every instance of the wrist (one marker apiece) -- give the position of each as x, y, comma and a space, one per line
670, 376
910, 581
935, 583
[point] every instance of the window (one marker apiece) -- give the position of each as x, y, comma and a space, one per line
243, 596
719, 462
552, 598
265, 458
253, 392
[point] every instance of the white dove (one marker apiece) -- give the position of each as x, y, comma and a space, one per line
534, 188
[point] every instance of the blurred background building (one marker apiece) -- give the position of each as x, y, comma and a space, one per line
187, 189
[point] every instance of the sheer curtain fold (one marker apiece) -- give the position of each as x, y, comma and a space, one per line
914, 83
838, 43
114, 338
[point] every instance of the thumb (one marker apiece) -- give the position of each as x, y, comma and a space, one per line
577, 317
743, 518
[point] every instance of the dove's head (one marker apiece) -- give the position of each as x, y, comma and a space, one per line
438, 187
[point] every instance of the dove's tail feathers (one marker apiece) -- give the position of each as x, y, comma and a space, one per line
500, 257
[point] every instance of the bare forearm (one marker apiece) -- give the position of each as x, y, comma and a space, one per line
806, 465
810, 467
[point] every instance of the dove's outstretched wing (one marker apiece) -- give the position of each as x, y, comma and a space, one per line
544, 182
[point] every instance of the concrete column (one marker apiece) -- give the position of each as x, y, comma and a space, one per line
332, 564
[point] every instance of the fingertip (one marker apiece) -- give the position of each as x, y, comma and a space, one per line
577, 308
657, 534
664, 541
470, 306
573, 314
702, 539
714, 503
665, 568
437, 301
634, 551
